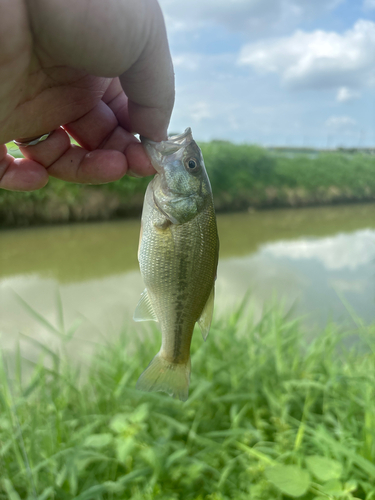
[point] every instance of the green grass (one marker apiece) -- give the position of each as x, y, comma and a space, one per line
248, 175
269, 416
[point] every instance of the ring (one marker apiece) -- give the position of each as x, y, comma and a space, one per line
33, 142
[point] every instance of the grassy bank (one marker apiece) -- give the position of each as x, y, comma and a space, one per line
268, 417
242, 176
245, 176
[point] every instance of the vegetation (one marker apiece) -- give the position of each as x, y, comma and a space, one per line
269, 416
242, 176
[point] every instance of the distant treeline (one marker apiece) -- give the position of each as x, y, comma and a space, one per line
242, 177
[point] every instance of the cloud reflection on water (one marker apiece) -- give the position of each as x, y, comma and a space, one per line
348, 250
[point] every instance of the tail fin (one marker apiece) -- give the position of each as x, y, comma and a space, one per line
162, 375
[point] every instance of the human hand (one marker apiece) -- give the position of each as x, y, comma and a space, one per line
99, 71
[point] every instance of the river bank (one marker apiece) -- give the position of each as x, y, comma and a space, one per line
243, 177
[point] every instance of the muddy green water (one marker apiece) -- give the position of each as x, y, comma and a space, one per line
317, 261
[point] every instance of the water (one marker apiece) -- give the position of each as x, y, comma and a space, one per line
318, 261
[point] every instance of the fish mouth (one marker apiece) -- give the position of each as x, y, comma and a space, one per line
181, 138
170, 146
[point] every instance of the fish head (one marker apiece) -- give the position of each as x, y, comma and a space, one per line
181, 187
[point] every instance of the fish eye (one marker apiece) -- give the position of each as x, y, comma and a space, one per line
192, 165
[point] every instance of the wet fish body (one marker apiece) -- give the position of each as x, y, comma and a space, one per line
178, 255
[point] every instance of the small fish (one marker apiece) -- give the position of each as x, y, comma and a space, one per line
178, 255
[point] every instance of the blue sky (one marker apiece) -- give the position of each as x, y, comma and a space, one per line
274, 72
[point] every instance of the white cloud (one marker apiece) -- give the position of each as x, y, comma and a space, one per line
233, 122
250, 16
368, 4
206, 64
354, 286
246, 106
318, 59
190, 62
336, 252
340, 122
200, 111
345, 94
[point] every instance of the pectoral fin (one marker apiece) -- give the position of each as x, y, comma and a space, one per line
144, 310
206, 317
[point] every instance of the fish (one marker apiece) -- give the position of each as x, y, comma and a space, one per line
178, 256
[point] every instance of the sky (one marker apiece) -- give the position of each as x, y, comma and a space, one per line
274, 72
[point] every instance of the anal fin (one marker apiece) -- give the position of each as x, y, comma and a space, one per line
144, 310
206, 317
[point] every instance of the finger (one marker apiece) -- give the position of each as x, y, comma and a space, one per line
101, 165
67, 162
149, 83
89, 167
73, 163
50, 150
139, 165
92, 129
20, 174
99, 129
116, 99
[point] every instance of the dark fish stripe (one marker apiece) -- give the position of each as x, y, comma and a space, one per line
180, 306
